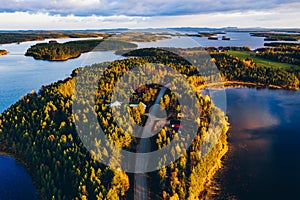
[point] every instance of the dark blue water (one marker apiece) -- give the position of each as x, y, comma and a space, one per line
264, 157
15, 182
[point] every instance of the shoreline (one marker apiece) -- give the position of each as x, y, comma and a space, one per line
210, 187
57, 60
210, 179
204, 194
239, 84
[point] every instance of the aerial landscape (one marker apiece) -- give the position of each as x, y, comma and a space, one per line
149, 100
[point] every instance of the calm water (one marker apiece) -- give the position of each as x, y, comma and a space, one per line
264, 134
263, 161
15, 182
236, 39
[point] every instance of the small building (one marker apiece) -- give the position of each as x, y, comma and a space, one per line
115, 104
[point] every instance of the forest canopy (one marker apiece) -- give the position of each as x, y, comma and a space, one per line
40, 129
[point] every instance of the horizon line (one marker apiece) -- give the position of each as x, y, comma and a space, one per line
160, 28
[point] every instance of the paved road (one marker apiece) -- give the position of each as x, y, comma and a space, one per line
141, 189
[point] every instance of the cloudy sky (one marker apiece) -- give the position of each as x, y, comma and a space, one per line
98, 14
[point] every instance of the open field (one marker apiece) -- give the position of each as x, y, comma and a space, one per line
259, 61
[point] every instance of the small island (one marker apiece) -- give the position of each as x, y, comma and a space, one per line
225, 38
212, 38
201, 34
3, 52
54, 51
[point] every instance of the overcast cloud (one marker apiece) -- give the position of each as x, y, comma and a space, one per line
137, 7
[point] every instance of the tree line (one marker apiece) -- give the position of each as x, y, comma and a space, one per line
235, 69
54, 51
23, 36
286, 53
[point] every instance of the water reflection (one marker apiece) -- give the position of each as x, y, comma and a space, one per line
263, 161
252, 110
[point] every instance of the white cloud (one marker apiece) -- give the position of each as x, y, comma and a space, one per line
137, 7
